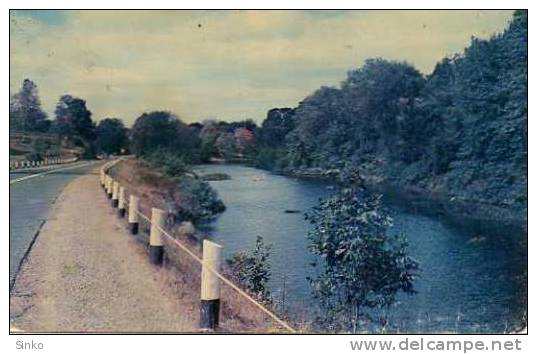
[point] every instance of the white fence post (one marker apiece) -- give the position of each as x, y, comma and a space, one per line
210, 285
133, 214
115, 194
158, 220
109, 187
106, 184
121, 202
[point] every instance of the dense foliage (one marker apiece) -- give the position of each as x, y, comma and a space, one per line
276, 126
226, 146
252, 269
460, 132
25, 111
271, 141
362, 266
111, 136
161, 129
73, 118
229, 141
362, 118
189, 197
197, 201
170, 163
475, 110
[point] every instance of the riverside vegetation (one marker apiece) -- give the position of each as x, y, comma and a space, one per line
185, 208
457, 137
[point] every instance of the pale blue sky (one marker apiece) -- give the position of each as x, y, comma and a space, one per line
228, 65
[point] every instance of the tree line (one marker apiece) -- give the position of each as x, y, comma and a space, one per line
72, 119
470, 112
154, 131
460, 131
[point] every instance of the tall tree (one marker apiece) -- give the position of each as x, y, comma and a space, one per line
25, 111
73, 118
276, 126
164, 130
208, 134
244, 139
226, 145
111, 136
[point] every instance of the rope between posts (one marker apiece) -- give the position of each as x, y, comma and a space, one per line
221, 277
214, 271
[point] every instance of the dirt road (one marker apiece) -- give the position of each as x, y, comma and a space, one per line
85, 273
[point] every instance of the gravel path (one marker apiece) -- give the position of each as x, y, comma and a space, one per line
30, 203
85, 273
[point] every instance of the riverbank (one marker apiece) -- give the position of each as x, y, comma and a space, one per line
458, 207
157, 190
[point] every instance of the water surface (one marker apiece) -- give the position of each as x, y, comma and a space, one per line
469, 281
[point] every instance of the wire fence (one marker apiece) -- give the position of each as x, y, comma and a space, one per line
174, 241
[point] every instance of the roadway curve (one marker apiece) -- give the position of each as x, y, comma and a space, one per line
86, 274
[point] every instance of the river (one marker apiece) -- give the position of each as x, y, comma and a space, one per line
469, 281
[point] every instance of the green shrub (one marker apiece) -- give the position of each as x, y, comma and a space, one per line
193, 199
164, 130
197, 201
361, 266
268, 158
170, 163
252, 269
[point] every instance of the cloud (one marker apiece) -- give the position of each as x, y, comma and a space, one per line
226, 64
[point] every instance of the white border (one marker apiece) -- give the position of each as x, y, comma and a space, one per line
226, 343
